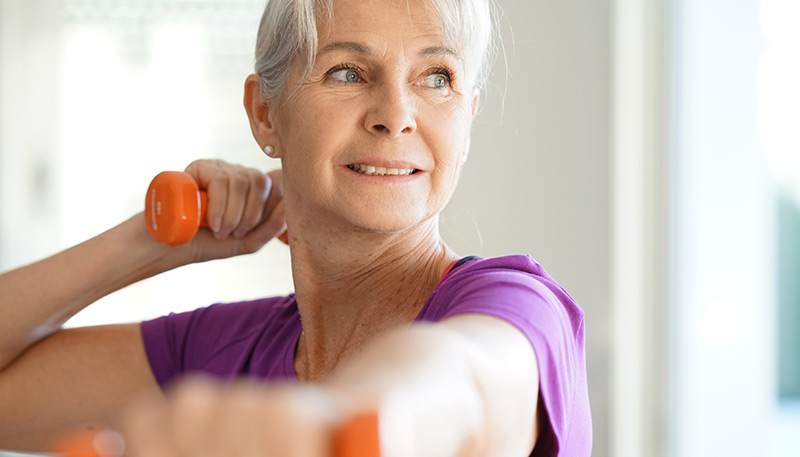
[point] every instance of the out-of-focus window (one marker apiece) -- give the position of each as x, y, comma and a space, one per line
779, 118
737, 229
778, 121
788, 298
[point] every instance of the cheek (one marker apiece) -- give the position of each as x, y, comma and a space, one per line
449, 138
451, 134
307, 131
315, 120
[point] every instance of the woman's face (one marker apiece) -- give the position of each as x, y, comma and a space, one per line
377, 135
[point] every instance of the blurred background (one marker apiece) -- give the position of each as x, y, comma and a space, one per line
646, 152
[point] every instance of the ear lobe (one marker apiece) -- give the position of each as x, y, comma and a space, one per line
259, 113
476, 93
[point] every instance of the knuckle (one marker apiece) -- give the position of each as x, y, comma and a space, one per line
249, 220
240, 182
260, 184
218, 178
256, 176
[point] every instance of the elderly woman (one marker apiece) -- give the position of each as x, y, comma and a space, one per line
368, 104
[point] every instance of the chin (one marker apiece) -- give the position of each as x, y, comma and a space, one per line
385, 221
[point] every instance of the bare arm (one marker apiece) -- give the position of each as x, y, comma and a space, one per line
53, 380
74, 379
464, 387
467, 386
39, 298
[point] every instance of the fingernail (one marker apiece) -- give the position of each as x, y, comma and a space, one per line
241, 232
217, 223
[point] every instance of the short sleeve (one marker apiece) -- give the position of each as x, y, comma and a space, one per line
517, 290
223, 340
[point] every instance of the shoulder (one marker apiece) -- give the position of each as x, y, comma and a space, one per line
518, 290
514, 285
251, 312
224, 339
229, 318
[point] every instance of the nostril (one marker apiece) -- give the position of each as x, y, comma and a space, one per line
379, 127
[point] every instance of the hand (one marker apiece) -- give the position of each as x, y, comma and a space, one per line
202, 418
245, 209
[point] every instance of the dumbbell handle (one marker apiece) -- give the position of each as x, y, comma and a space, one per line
357, 438
175, 207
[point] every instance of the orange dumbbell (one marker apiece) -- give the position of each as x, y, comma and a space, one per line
357, 438
175, 207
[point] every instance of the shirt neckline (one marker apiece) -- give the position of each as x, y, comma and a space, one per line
291, 354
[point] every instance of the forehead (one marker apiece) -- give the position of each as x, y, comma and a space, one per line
388, 20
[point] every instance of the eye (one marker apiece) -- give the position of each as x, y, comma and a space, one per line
437, 80
345, 75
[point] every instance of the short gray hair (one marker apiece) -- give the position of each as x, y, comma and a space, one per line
289, 28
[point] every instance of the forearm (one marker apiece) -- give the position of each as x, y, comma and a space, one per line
39, 298
467, 386
429, 401
464, 387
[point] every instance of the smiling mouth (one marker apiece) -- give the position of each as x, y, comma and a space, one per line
381, 171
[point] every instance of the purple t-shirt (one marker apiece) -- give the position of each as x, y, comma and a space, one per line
258, 339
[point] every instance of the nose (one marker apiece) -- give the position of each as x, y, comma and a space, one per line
392, 113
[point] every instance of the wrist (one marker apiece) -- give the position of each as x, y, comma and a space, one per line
142, 253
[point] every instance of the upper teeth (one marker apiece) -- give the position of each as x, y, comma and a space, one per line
382, 171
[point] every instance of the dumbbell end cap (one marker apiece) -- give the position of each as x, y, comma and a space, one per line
173, 208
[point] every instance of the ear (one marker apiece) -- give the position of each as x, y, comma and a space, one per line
261, 115
475, 99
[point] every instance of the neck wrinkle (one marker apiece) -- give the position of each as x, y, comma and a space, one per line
351, 288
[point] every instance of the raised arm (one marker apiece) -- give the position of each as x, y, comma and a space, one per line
53, 380
39, 298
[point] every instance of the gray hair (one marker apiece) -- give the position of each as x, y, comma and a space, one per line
289, 28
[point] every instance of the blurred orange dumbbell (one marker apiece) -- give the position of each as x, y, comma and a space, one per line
175, 207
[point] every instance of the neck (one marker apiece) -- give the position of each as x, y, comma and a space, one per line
350, 288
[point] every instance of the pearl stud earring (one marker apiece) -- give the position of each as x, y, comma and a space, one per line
269, 150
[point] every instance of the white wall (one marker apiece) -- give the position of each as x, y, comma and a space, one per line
537, 180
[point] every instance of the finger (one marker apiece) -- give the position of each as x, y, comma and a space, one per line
254, 209
291, 424
145, 431
269, 229
238, 188
194, 408
239, 423
276, 193
211, 177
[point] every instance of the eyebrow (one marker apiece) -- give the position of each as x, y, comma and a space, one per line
351, 46
435, 51
364, 50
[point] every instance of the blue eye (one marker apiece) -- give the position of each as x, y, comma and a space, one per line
346, 75
437, 80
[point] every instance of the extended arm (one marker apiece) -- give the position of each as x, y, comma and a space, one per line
467, 386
